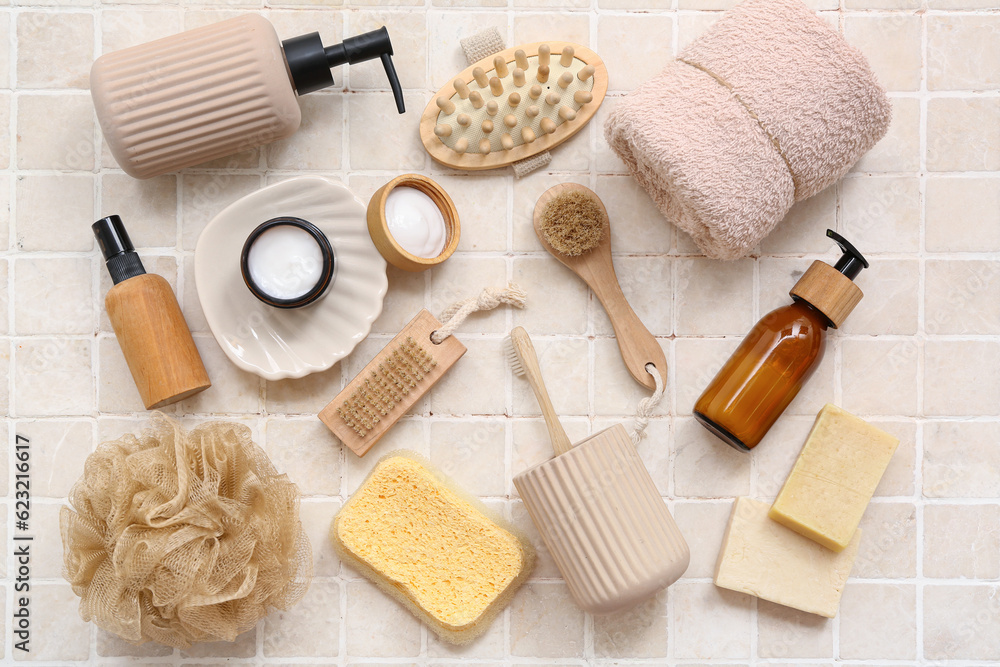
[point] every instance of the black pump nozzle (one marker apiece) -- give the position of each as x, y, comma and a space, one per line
852, 261
310, 62
123, 263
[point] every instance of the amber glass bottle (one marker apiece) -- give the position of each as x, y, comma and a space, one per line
780, 353
763, 375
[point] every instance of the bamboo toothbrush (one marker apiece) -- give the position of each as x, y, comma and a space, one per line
524, 363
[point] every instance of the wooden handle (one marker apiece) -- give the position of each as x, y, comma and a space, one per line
155, 340
533, 373
637, 345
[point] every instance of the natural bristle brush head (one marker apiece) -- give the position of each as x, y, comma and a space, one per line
390, 384
573, 222
386, 386
543, 93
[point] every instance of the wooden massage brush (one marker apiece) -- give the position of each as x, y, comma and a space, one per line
513, 105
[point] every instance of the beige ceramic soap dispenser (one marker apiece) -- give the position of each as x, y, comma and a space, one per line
215, 91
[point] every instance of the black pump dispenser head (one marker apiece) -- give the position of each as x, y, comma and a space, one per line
123, 263
309, 62
852, 261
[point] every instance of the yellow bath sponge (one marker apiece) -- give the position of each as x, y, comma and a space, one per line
431, 546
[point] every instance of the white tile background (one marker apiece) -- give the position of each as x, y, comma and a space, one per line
919, 357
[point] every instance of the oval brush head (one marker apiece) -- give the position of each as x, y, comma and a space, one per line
573, 223
516, 104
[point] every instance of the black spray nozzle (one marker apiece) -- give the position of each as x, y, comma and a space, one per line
122, 260
112, 237
310, 62
852, 261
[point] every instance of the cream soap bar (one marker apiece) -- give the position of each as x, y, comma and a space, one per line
834, 478
763, 558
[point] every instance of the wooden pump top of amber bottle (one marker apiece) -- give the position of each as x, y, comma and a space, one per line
831, 289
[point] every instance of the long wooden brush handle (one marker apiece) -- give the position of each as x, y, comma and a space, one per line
529, 362
636, 343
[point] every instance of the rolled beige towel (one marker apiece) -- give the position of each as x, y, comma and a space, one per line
768, 107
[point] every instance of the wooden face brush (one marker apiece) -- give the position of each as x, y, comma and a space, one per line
572, 224
516, 104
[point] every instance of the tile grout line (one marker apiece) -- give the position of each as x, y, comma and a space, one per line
921, 340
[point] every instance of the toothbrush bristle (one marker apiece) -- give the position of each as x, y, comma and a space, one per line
513, 358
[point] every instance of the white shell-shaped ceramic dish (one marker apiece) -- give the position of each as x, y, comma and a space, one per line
291, 343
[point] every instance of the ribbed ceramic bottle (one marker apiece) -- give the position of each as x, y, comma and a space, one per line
217, 90
604, 522
193, 97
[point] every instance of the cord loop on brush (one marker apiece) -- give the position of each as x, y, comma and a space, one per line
488, 299
647, 406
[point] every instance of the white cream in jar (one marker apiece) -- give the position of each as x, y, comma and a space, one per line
415, 222
285, 262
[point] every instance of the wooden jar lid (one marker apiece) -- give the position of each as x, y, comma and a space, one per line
829, 291
378, 227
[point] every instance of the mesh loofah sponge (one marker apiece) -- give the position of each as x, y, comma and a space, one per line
180, 537
432, 547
